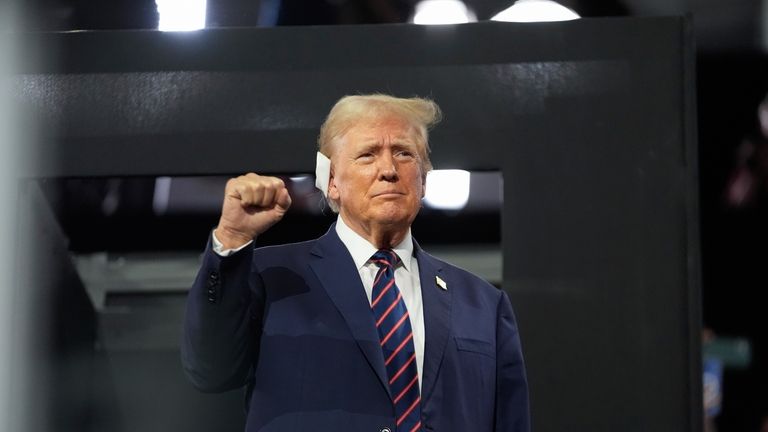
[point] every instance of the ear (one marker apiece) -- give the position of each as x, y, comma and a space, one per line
333, 191
423, 185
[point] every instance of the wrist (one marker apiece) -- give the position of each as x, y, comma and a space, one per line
231, 239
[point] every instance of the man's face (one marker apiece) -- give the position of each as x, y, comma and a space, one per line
377, 178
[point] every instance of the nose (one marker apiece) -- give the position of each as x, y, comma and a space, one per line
387, 167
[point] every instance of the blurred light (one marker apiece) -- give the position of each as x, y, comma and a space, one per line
9, 320
447, 189
162, 195
181, 15
21, 408
434, 12
536, 11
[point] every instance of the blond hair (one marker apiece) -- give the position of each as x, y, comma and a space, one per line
349, 110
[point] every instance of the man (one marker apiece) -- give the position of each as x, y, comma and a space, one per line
359, 330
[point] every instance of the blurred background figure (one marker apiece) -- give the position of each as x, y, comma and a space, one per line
712, 385
735, 234
748, 183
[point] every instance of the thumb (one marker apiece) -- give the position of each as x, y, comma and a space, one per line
283, 199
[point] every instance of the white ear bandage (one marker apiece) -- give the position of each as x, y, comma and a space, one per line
322, 173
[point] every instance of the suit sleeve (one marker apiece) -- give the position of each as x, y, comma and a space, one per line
512, 406
221, 330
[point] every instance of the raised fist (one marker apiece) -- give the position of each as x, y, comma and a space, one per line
252, 204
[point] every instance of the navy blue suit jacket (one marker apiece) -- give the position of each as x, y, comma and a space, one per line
293, 324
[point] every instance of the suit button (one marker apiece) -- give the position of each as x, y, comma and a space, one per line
385, 430
213, 280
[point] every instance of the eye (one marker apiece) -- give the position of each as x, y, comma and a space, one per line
404, 154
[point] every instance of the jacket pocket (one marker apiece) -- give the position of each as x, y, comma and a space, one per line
475, 346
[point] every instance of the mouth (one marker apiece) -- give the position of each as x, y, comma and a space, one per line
388, 195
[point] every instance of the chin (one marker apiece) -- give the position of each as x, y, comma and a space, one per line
394, 216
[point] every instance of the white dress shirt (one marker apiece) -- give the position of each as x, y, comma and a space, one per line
406, 276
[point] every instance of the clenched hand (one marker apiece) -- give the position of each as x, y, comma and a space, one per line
252, 204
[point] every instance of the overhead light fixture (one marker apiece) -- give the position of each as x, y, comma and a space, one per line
536, 11
435, 12
447, 189
181, 15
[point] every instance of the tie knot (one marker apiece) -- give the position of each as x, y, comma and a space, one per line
385, 257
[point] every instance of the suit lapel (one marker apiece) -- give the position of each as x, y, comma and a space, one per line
437, 317
336, 270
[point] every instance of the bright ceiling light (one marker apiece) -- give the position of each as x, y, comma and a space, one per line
434, 12
447, 189
181, 15
536, 11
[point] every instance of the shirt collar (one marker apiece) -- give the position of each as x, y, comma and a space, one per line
362, 251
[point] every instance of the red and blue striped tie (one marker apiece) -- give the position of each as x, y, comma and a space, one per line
396, 338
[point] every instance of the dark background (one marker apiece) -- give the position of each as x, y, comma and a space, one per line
732, 79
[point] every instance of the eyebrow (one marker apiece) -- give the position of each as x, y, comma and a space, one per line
398, 143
